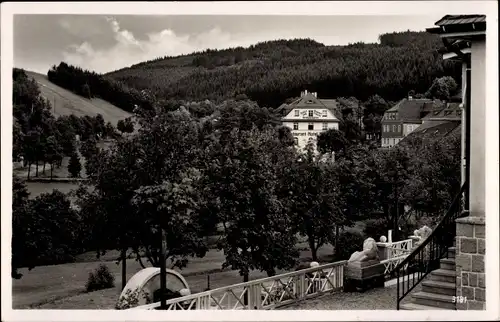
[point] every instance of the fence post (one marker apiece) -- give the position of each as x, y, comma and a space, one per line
302, 286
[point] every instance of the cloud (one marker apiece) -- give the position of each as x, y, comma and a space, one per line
128, 49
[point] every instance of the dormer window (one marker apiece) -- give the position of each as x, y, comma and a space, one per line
311, 113
309, 102
297, 112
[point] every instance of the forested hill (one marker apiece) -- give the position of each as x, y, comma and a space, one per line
271, 72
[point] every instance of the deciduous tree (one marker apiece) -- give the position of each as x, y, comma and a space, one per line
74, 166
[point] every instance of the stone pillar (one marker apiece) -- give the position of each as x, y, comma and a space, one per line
470, 267
383, 250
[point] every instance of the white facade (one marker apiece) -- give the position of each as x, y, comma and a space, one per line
308, 118
410, 127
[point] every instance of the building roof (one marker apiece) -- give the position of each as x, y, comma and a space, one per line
433, 130
460, 19
460, 26
409, 110
449, 112
310, 100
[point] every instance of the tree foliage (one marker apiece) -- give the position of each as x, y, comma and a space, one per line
38, 136
74, 165
442, 88
243, 180
44, 230
125, 126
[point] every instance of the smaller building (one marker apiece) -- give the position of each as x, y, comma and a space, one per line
404, 118
308, 116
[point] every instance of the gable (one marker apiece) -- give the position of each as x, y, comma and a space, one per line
317, 114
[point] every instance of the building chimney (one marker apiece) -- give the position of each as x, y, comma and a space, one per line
410, 98
315, 94
305, 92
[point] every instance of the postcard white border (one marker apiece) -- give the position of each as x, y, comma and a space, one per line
263, 8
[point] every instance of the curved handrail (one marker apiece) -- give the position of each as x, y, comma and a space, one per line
424, 258
424, 243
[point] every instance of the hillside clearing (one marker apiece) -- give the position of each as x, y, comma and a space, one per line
65, 102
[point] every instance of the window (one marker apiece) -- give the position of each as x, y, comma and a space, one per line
310, 126
399, 128
310, 113
297, 112
394, 128
325, 126
296, 141
295, 126
325, 113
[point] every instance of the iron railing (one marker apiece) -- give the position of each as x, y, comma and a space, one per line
263, 294
426, 256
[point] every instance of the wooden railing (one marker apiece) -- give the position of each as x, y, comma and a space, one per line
263, 294
426, 257
395, 254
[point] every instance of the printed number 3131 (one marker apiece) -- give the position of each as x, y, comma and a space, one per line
459, 299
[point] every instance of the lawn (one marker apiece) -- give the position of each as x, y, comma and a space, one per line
37, 188
62, 286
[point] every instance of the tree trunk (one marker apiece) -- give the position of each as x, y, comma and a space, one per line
337, 232
314, 251
29, 169
246, 278
163, 270
124, 267
51, 170
43, 167
36, 173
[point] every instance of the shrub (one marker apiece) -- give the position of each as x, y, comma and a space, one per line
349, 242
131, 299
375, 228
100, 279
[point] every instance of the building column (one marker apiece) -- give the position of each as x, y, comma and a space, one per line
463, 125
470, 230
470, 266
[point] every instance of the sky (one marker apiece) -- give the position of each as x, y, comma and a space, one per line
106, 43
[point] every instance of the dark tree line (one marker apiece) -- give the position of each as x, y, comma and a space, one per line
271, 72
90, 84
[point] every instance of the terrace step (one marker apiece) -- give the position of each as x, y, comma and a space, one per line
437, 287
436, 300
415, 307
447, 263
452, 252
443, 275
